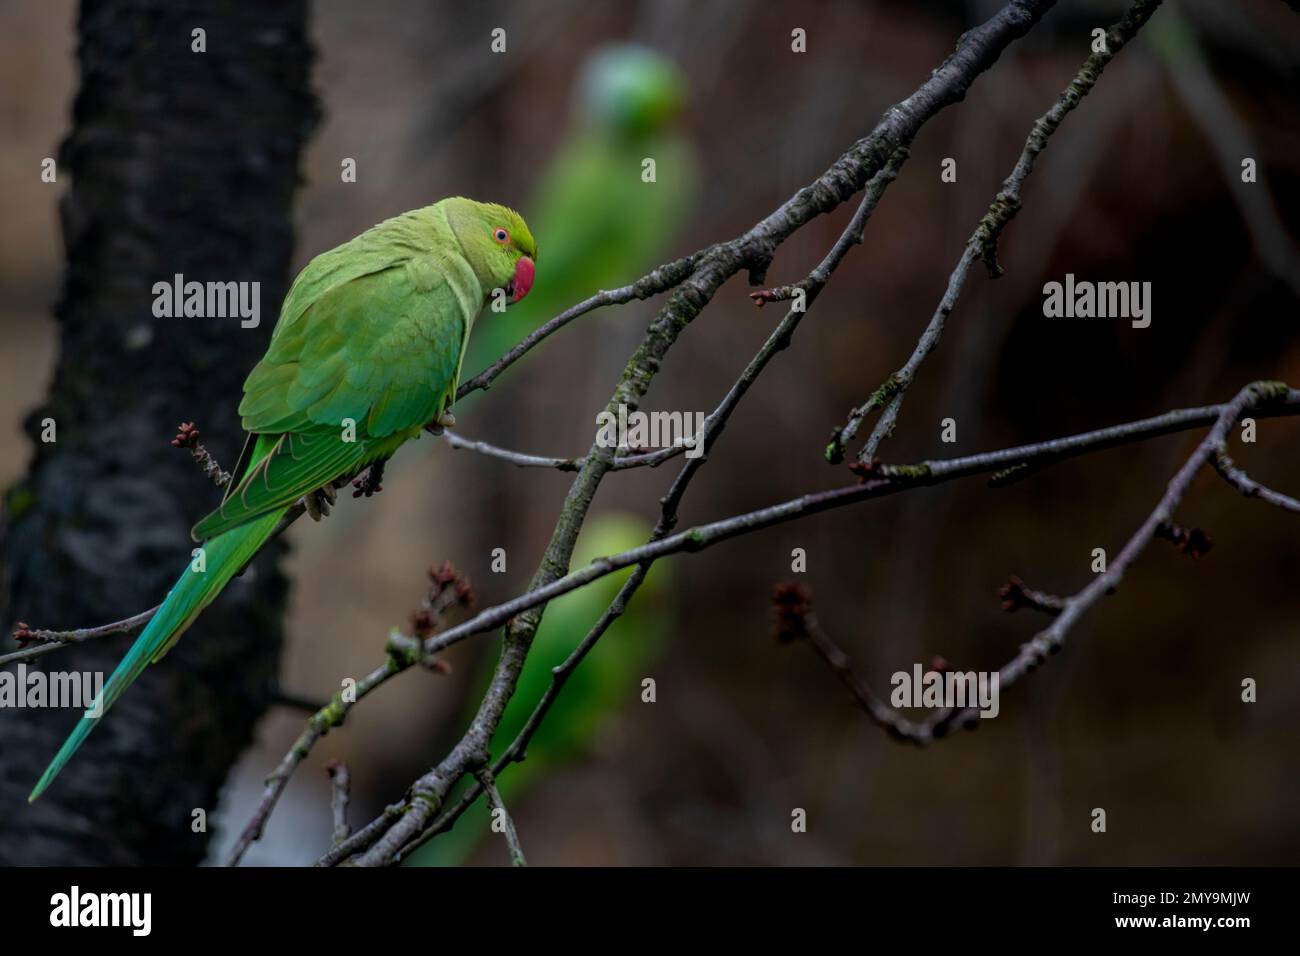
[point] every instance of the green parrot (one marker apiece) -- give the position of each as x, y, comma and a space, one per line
628, 104
368, 349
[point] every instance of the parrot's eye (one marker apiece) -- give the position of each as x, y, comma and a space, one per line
502, 236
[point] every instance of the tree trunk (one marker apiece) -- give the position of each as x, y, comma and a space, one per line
181, 162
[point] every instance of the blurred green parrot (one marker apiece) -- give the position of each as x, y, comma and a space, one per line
604, 224
628, 104
608, 679
367, 351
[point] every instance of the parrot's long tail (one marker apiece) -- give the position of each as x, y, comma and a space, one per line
223, 557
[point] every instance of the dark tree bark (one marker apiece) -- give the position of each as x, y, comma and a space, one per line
180, 162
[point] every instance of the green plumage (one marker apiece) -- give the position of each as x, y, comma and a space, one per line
367, 350
604, 225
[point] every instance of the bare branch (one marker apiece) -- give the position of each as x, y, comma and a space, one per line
363, 838
796, 621
338, 773
658, 280
187, 436
403, 654
1015, 594
53, 640
518, 748
983, 241
498, 810
447, 590
1234, 476
1035, 652
1264, 398
516, 458
1271, 398
713, 425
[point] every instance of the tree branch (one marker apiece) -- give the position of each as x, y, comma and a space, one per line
984, 240
658, 280
976, 51
447, 590
497, 806
1264, 398
338, 773
713, 425
53, 640
187, 436
1069, 610
1268, 398
1234, 476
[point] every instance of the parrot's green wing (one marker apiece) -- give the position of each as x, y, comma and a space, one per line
346, 380
381, 351
290, 466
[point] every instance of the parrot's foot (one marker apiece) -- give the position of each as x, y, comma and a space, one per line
370, 481
443, 421
319, 502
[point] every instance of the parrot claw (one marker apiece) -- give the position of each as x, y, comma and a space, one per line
444, 421
318, 503
370, 481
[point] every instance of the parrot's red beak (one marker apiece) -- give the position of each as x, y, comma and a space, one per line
525, 270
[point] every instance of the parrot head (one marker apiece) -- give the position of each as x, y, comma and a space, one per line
497, 244
631, 91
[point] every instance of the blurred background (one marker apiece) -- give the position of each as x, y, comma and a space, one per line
1140, 714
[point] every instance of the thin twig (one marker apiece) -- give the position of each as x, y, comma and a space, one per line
363, 838
518, 747
1035, 652
187, 436
982, 243
1015, 594
811, 286
1248, 486
338, 774
403, 653
498, 810
883, 715
658, 280
53, 640
621, 462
